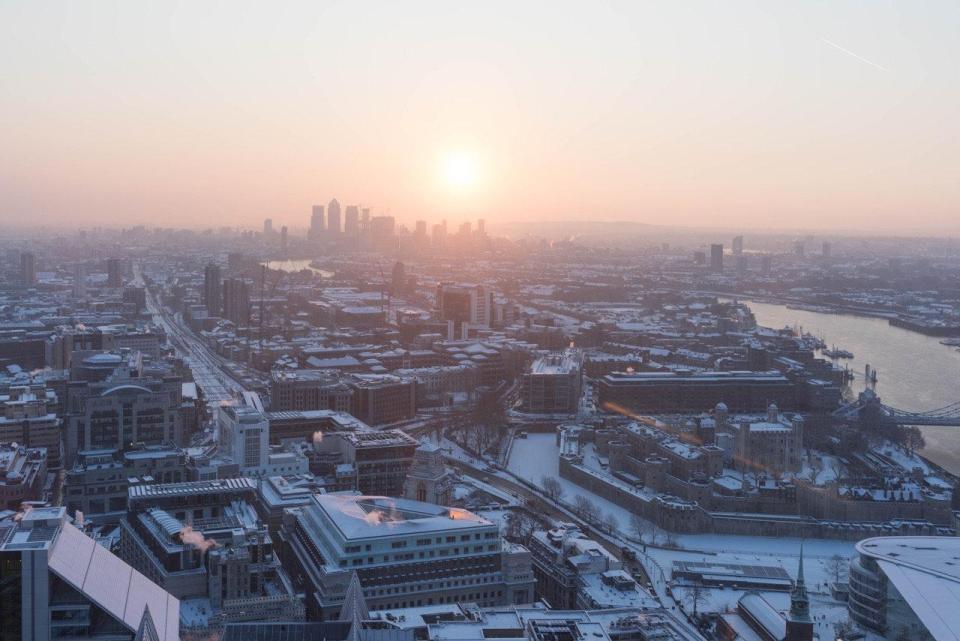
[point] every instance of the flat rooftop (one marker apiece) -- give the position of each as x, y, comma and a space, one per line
362, 517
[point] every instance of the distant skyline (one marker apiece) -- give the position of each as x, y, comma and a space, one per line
741, 115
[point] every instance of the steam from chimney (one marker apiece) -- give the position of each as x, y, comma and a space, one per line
191, 537
374, 517
317, 438
78, 519
24, 510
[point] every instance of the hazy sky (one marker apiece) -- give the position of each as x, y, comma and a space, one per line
743, 114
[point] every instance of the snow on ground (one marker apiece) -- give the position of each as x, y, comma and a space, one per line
783, 552
538, 455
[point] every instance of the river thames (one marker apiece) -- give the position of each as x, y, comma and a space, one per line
914, 371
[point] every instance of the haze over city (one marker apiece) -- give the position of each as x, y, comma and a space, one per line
772, 115
465, 321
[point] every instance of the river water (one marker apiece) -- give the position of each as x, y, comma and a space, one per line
296, 266
914, 371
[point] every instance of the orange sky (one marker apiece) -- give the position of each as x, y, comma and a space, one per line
742, 114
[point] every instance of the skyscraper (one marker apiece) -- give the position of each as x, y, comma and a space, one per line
481, 227
114, 272
211, 289
28, 269
716, 257
333, 217
351, 221
283, 241
317, 222
236, 301
268, 227
737, 245
79, 280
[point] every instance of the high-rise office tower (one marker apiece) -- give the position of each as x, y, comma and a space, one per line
482, 227
737, 245
421, 229
79, 280
464, 307
351, 221
283, 241
333, 217
236, 301
268, 227
28, 269
365, 219
317, 222
716, 257
766, 263
114, 272
212, 289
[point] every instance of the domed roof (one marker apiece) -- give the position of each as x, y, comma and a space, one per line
721, 407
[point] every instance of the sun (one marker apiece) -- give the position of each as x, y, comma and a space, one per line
460, 169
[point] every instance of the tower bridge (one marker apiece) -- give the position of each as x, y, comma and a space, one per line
948, 415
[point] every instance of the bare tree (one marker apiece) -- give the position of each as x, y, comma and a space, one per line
641, 527
696, 596
611, 522
552, 488
843, 629
586, 509
519, 526
837, 565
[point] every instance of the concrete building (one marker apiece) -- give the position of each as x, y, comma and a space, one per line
212, 295
114, 272
444, 385
716, 258
906, 587
236, 301
333, 218
309, 390
429, 480
383, 398
689, 391
553, 385
28, 269
27, 417
464, 307
245, 439
574, 571
204, 543
97, 482
23, 475
380, 460
59, 584
405, 554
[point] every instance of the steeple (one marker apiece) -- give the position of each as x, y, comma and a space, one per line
799, 602
799, 624
354, 604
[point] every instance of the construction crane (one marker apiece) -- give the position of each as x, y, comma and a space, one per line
384, 289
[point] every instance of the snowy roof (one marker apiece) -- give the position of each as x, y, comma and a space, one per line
112, 584
926, 572
359, 517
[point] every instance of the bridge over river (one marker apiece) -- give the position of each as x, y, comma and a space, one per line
948, 416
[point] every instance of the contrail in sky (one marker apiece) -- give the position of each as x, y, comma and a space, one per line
860, 58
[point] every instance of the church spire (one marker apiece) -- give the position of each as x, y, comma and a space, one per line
799, 602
